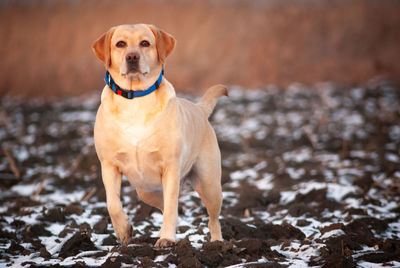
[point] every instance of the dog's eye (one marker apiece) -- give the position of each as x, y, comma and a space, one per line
145, 43
121, 44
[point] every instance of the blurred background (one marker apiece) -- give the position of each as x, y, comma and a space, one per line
310, 170
45, 46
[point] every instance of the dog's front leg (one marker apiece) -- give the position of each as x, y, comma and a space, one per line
170, 182
112, 183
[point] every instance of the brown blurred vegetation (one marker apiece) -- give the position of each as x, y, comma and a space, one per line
45, 46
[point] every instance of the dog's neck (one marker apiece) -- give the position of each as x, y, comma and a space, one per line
130, 94
136, 82
143, 108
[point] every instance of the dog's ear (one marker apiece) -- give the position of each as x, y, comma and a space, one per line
102, 47
164, 41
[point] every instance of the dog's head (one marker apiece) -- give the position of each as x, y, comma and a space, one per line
134, 52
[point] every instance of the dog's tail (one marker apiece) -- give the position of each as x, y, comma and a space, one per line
210, 98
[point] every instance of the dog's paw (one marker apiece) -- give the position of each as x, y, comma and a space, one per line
215, 230
164, 243
125, 237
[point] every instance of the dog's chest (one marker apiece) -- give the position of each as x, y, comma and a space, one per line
141, 168
133, 138
138, 156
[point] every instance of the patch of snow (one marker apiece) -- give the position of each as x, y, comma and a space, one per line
394, 132
336, 232
55, 228
295, 174
392, 157
61, 198
161, 258
261, 165
82, 116
265, 182
300, 255
366, 264
25, 189
337, 191
287, 197
242, 174
357, 93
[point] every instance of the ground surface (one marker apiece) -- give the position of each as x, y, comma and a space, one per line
310, 177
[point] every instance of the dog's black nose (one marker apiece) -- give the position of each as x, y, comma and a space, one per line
132, 57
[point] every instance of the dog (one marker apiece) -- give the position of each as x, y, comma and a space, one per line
146, 133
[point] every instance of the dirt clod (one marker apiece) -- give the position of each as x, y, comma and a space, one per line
101, 226
77, 243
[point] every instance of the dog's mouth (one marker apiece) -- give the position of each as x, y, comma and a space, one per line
132, 71
134, 74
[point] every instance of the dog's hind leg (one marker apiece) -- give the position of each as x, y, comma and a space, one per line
154, 199
208, 183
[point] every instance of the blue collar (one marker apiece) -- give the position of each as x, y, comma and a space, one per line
130, 94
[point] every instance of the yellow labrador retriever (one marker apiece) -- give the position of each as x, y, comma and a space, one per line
143, 131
